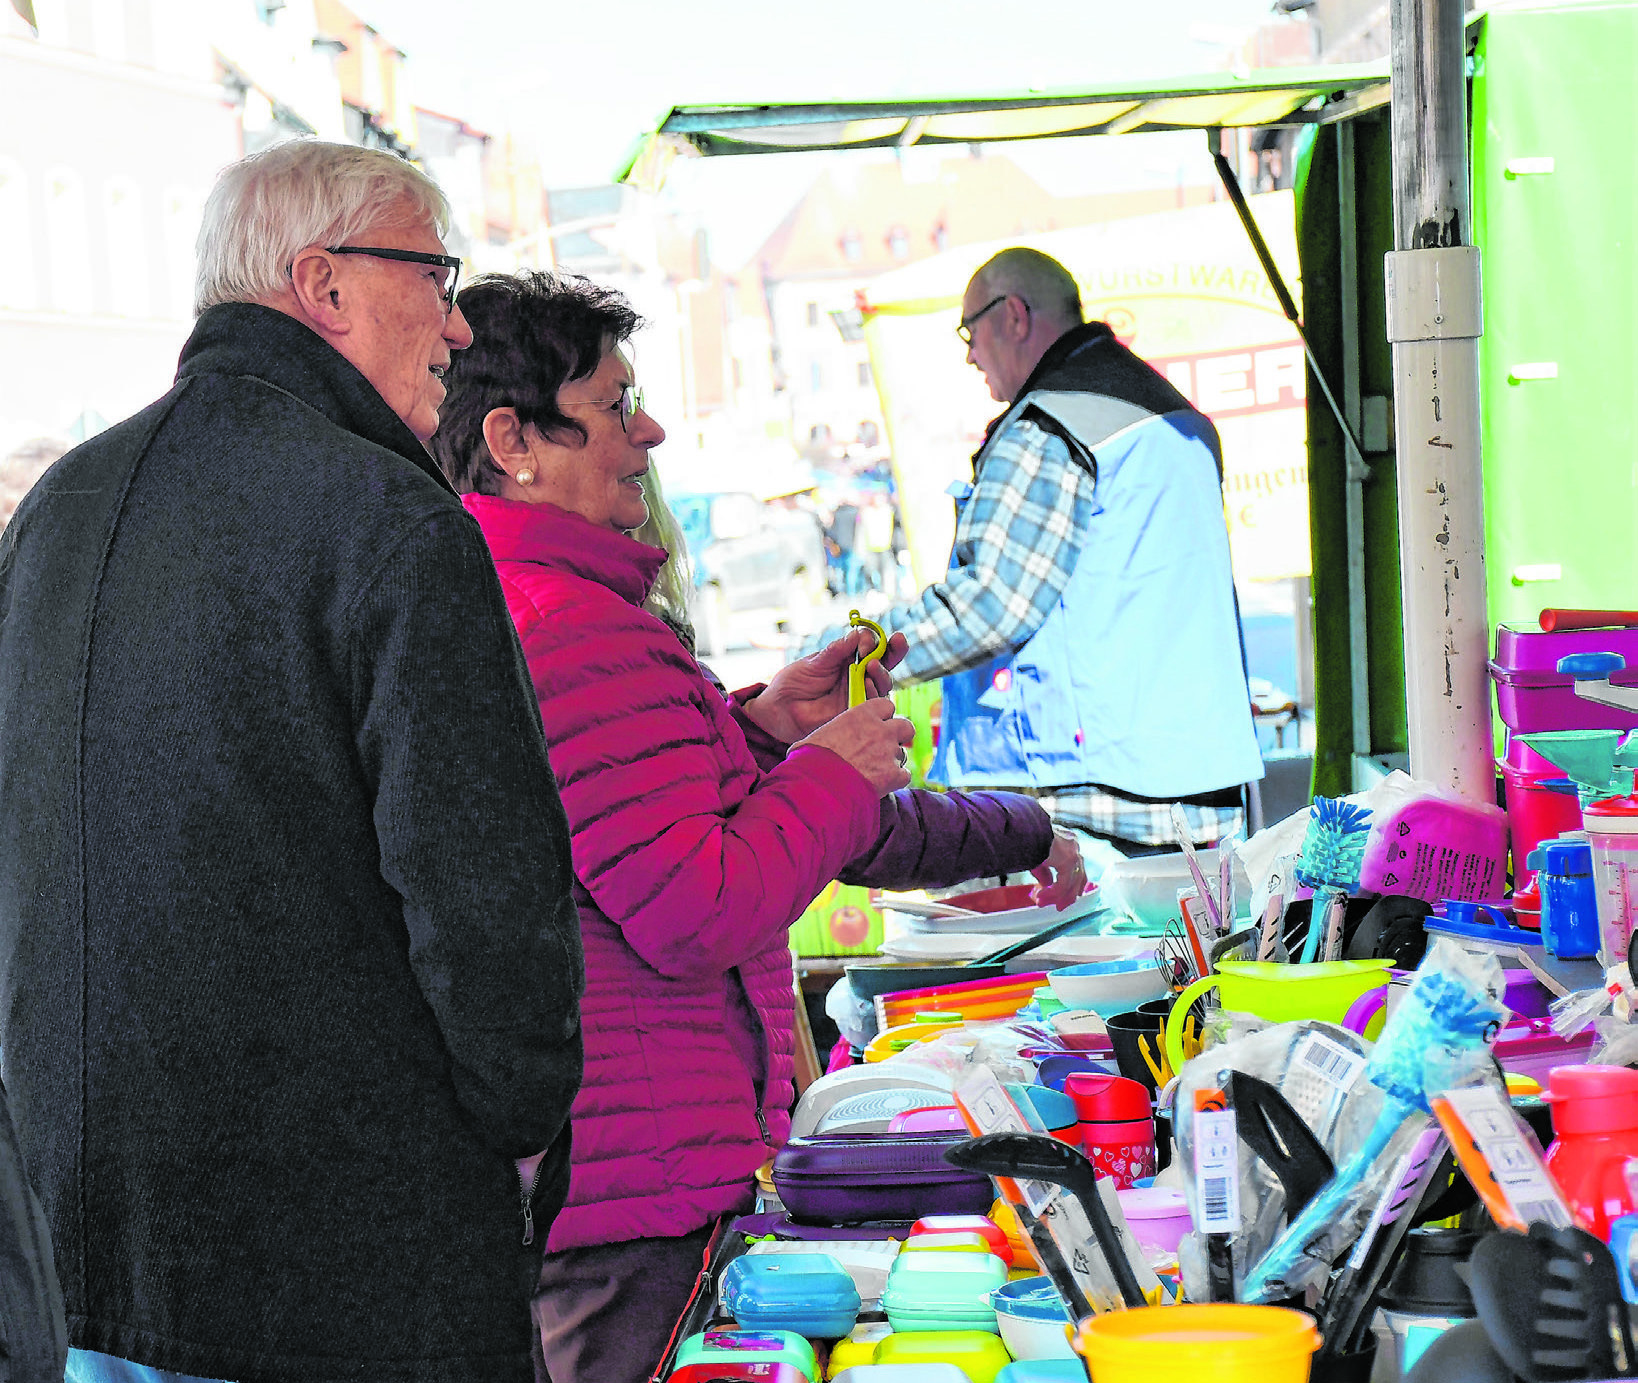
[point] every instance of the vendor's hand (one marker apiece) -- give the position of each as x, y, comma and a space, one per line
805, 694
873, 740
1062, 874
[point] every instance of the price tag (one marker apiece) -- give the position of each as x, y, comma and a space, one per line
989, 1109
1499, 1160
1321, 1073
1216, 1164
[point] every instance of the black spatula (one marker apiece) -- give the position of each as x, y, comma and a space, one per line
1551, 1303
1036, 1156
1272, 1129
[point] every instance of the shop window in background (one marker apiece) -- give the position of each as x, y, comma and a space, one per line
17, 283
180, 223
67, 244
869, 433
127, 249
864, 374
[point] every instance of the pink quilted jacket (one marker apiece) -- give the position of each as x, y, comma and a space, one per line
690, 865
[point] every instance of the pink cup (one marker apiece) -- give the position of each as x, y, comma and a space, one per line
1159, 1216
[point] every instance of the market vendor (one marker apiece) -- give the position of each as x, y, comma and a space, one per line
702, 826
1086, 630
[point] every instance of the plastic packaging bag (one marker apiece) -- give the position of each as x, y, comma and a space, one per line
1438, 1038
1317, 1067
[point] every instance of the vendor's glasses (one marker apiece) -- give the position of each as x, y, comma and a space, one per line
451, 262
630, 400
965, 329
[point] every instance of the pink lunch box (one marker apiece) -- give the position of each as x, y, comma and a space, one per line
1532, 694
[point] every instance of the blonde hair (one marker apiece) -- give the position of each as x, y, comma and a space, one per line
669, 596
267, 207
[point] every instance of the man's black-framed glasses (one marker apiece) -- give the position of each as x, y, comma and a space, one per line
630, 400
450, 262
965, 329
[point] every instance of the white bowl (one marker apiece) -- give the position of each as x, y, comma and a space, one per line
1112, 986
1023, 1316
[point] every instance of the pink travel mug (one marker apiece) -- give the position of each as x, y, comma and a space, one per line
1117, 1125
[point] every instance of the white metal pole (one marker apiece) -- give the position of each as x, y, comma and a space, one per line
1434, 323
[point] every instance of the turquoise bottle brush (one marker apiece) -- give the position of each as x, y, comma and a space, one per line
1333, 852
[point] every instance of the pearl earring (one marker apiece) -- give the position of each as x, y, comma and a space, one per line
525, 476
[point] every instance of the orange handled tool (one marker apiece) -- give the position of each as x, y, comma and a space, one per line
1552, 621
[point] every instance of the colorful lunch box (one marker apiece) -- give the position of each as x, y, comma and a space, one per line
942, 1291
809, 1293
978, 1354
726, 1349
847, 1178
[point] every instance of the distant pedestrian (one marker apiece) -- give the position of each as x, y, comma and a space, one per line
876, 521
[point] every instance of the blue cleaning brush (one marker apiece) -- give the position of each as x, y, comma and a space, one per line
1434, 1039
1333, 852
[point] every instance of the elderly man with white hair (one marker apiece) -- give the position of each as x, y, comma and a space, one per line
289, 967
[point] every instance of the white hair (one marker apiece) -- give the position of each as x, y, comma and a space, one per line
267, 207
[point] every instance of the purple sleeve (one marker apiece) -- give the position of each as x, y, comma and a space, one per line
768, 752
935, 839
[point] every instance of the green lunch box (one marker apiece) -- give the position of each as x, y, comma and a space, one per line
942, 1291
976, 1353
749, 1346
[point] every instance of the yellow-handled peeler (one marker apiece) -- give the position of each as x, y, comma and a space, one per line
856, 673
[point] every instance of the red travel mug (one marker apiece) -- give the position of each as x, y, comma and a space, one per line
1117, 1125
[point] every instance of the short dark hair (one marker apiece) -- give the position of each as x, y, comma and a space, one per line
532, 332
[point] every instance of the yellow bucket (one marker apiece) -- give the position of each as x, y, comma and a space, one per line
1184, 1344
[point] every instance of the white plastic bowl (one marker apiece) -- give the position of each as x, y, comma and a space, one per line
1107, 987
1026, 1313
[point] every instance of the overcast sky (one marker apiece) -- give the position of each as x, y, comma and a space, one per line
583, 80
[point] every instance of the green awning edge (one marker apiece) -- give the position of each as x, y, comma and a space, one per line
720, 129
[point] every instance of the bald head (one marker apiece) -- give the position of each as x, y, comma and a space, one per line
1039, 280
1016, 307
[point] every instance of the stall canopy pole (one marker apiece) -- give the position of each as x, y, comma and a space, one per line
1434, 325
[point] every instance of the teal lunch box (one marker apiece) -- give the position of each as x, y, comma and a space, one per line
749, 1346
942, 1291
809, 1293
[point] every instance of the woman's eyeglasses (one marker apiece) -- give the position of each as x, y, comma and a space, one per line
630, 400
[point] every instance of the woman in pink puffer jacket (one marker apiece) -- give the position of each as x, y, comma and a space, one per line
691, 858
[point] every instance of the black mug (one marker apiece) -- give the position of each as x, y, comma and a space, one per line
1126, 1031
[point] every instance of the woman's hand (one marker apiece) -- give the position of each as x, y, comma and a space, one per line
1062, 874
805, 694
873, 740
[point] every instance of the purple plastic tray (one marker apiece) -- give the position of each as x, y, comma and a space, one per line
1532, 694
845, 1178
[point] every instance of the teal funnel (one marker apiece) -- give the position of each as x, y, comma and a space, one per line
1596, 760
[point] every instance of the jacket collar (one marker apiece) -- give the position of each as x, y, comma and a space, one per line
1056, 355
553, 537
249, 339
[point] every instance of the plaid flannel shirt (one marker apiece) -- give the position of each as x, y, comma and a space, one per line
1016, 546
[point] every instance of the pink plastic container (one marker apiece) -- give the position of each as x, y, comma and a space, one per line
1612, 831
1532, 694
1159, 1216
1533, 1049
1433, 848
938, 1118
